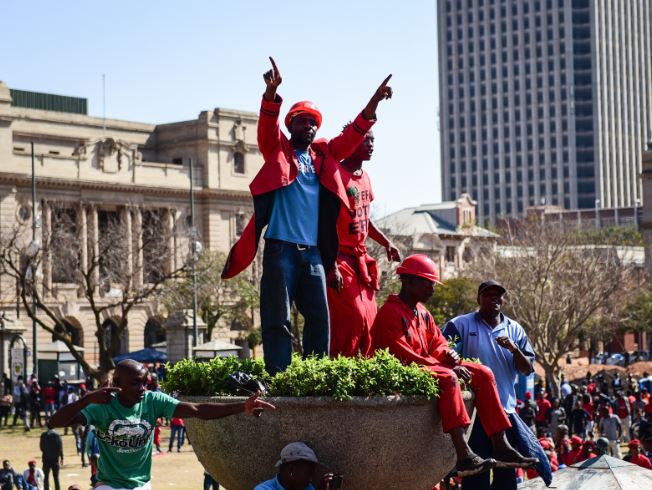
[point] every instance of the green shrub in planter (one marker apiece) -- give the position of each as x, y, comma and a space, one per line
340, 378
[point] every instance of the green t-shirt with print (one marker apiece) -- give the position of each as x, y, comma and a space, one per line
125, 436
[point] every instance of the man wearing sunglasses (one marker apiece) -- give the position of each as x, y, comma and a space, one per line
297, 196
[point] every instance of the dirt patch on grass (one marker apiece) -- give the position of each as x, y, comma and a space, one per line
176, 471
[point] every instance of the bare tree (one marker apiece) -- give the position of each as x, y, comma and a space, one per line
110, 271
561, 284
233, 300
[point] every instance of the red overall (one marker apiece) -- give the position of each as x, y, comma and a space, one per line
280, 169
353, 309
413, 337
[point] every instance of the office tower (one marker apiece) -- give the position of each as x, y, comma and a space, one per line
544, 102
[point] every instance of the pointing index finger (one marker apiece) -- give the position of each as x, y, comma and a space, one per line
273, 65
386, 81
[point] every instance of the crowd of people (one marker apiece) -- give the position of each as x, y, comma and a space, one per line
597, 415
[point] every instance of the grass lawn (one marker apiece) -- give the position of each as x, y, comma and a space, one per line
178, 471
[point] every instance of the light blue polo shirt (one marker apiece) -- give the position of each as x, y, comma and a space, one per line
476, 338
274, 484
295, 214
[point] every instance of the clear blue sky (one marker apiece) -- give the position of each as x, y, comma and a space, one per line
167, 61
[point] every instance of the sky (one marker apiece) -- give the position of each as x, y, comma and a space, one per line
167, 61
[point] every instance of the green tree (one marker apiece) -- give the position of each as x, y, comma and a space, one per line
456, 296
637, 315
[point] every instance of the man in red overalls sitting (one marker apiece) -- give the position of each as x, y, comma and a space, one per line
407, 329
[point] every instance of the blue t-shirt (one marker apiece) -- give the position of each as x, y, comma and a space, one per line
274, 484
295, 214
476, 338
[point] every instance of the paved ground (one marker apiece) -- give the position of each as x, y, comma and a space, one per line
178, 471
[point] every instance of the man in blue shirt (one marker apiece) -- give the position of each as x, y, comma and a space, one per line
297, 194
296, 471
502, 345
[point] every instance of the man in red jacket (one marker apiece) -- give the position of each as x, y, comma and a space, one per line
635, 456
407, 329
352, 295
297, 195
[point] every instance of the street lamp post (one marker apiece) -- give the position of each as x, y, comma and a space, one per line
637, 203
34, 341
597, 213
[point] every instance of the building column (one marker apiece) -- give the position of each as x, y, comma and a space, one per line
137, 240
169, 229
82, 222
95, 245
46, 234
127, 222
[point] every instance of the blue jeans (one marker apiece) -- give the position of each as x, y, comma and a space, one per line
504, 478
292, 274
176, 431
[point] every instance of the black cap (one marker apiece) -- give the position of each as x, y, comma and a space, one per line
490, 284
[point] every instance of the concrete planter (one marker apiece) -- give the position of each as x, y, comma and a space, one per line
379, 442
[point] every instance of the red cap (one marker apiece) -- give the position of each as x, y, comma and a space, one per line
300, 107
31, 461
419, 265
528, 395
576, 440
634, 443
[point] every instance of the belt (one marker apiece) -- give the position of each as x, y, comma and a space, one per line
298, 246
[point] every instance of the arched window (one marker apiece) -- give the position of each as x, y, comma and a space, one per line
154, 332
111, 332
238, 163
71, 327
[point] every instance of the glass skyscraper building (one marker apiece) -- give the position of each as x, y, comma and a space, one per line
544, 102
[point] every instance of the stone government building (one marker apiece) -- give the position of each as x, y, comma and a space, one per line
99, 168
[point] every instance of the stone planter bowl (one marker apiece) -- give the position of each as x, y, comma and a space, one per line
378, 442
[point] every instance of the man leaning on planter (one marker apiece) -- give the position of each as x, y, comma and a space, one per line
125, 417
407, 329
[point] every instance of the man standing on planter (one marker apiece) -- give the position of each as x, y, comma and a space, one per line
297, 195
502, 345
352, 295
125, 417
407, 329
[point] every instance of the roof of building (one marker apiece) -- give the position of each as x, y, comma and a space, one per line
427, 219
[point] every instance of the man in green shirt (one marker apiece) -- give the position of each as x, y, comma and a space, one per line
125, 417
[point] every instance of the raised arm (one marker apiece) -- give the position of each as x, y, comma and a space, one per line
343, 145
71, 414
269, 131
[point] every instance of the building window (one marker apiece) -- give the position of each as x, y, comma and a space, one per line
238, 163
450, 254
240, 223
